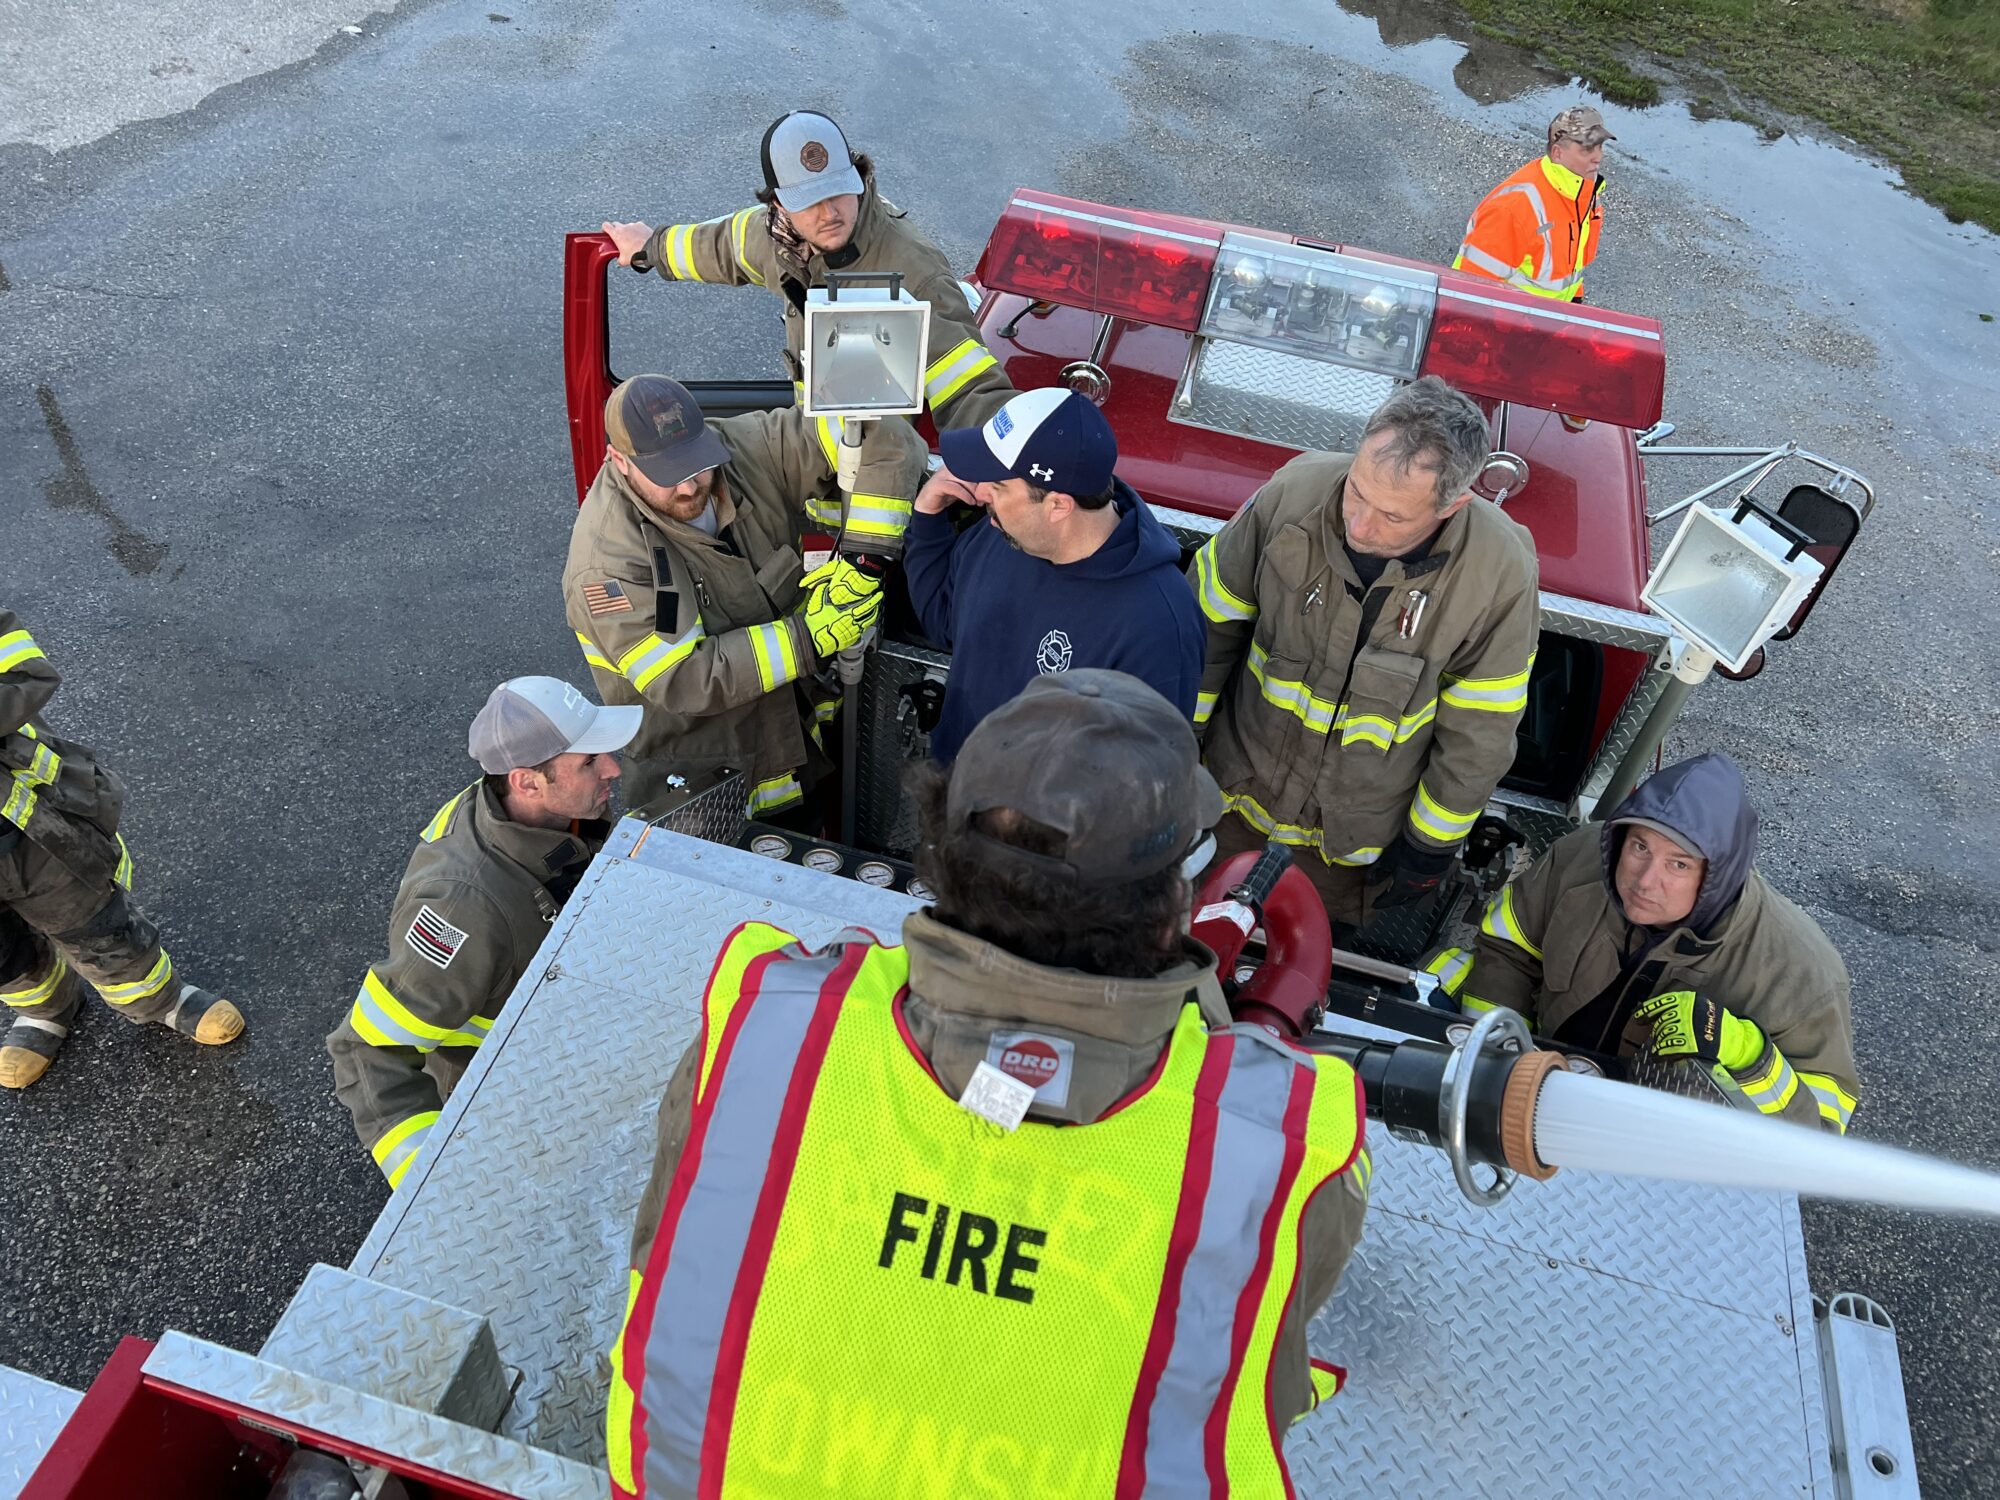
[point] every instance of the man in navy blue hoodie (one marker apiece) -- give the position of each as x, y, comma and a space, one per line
1070, 568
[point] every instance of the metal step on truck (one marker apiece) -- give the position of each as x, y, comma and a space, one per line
1498, 1342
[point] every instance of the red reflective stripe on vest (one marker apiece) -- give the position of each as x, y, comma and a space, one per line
1298, 1109
640, 1331
770, 1206
1180, 1246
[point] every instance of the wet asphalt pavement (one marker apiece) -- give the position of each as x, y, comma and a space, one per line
284, 489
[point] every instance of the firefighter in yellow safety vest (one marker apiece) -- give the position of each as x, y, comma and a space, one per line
1008, 1208
1539, 228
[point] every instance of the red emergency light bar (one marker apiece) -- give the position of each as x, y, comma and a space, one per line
1122, 262
1582, 361
1484, 338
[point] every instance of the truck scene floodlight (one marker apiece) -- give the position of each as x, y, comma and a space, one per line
1729, 582
864, 352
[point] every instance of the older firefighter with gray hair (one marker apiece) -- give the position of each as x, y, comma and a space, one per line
1371, 623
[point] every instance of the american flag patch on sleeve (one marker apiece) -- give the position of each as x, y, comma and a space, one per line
605, 598
433, 939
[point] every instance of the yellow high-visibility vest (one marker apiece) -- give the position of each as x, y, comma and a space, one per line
859, 1288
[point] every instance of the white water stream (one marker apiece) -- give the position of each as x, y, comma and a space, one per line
1595, 1125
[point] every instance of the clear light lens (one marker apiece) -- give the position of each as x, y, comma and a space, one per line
1321, 304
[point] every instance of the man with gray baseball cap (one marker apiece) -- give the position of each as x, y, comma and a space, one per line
1051, 989
492, 868
688, 592
819, 210
1540, 227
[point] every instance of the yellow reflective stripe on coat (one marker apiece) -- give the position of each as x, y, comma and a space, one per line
678, 246
777, 657
1374, 729
1252, 812
33, 991
877, 516
828, 429
824, 509
1217, 602
1836, 1105
1295, 698
21, 799
778, 792
1437, 822
655, 656
17, 646
441, 819
382, 1020
593, 656
1500, 695
399, 1147
123, 874
618, 1408
157, 979
1501, 922
739, 230
1772, 1088
1204, 707
946, 377
1450, 965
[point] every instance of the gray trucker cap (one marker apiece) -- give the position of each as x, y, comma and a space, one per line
528, 720
806, 161
1101, 758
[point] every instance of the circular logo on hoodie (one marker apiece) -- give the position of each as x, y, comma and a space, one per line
812, 156
1054, 653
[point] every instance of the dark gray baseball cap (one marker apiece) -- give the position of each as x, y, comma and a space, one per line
655, 422
528, 720
806, 161
1101, 758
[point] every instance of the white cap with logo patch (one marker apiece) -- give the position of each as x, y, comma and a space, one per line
806, 161
528, 720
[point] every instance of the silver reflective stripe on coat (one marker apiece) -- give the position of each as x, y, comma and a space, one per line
711, 1236
1248, 1159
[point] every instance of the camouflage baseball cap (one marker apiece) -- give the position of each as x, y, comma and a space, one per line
1579, 123
806, 161
655, 422
1101, 758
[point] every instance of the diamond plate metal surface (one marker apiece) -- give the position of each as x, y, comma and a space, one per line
715, 807
293, 1401
424, 1353
1277, 397
1605, 624
525, 1207
1517, 1351
1480, 1368
32, 1412
889, 741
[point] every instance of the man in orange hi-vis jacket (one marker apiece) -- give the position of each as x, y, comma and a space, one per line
1539, 228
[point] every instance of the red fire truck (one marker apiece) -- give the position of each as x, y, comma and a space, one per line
1498, 1350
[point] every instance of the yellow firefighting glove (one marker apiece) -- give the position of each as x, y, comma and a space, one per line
834, 627
1688, 1024
843, 582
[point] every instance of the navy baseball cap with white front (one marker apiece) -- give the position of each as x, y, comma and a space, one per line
1054, 439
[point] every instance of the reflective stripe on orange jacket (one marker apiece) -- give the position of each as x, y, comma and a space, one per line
1536, 231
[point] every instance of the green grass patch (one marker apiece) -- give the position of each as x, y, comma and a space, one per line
1916, 80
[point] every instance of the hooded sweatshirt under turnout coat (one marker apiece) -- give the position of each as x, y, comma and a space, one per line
1007, 616
1557, 946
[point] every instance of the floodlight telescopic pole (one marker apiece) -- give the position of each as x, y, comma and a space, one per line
1691, 668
